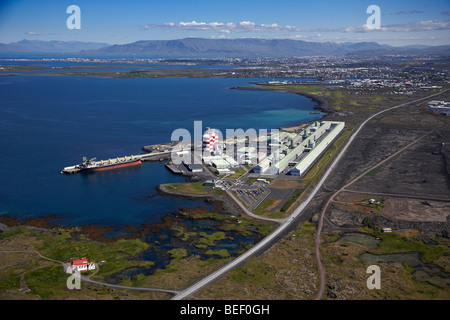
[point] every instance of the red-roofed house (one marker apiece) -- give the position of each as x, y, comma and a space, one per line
82, 265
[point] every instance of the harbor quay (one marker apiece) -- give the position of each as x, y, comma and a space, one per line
254, 168
263, 153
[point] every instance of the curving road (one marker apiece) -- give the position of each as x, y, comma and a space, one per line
267, 241
249, 213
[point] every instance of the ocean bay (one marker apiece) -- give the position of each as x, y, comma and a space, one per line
49, 122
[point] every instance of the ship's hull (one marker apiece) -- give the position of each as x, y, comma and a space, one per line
111, 166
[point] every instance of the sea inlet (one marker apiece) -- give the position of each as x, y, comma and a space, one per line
48, 122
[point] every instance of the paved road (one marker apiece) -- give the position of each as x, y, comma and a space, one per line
86, 279
266, 242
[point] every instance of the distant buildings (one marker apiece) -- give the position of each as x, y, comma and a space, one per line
439, 107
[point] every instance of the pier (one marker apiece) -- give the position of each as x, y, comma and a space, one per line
174, 168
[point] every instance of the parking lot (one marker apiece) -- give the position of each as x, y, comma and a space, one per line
252, 195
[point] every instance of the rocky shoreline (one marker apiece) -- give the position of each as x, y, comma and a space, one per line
99, 233
322, 103
221, 202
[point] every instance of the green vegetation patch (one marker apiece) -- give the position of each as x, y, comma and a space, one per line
12, 232
177, 253
238, 173
373, 172
223, 253
10, 280
47, 282
117, 255
257, 273
196, 188
307, 229
261, 209
208, 239
394, 242
291, 200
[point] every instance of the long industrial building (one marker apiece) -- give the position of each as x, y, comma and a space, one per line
307, 146
304, 164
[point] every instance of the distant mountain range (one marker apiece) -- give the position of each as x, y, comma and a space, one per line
200, 47
50, 46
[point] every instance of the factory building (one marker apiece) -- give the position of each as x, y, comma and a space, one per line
335, 128
220, 161
262, 166
281, 160
300, 149
193, 167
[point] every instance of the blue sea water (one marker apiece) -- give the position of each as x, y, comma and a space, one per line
48, 122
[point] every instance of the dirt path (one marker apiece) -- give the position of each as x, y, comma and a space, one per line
321, 268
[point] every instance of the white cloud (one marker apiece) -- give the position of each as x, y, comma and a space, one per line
243, 26
429, 25
408, 12
32, 33
249, 26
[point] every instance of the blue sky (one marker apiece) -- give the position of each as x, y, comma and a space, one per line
403, 22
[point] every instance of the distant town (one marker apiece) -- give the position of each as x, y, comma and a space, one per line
360, 75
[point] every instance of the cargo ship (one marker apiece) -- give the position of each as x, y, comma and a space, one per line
93, 165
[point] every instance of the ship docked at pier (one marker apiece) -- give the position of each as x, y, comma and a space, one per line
93, 165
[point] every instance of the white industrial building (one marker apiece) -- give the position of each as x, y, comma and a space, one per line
220, 162
304, 164
262, 166
232, 163
307, 145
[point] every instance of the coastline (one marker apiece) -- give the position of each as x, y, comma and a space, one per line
220, 202
322, 103
97, 232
